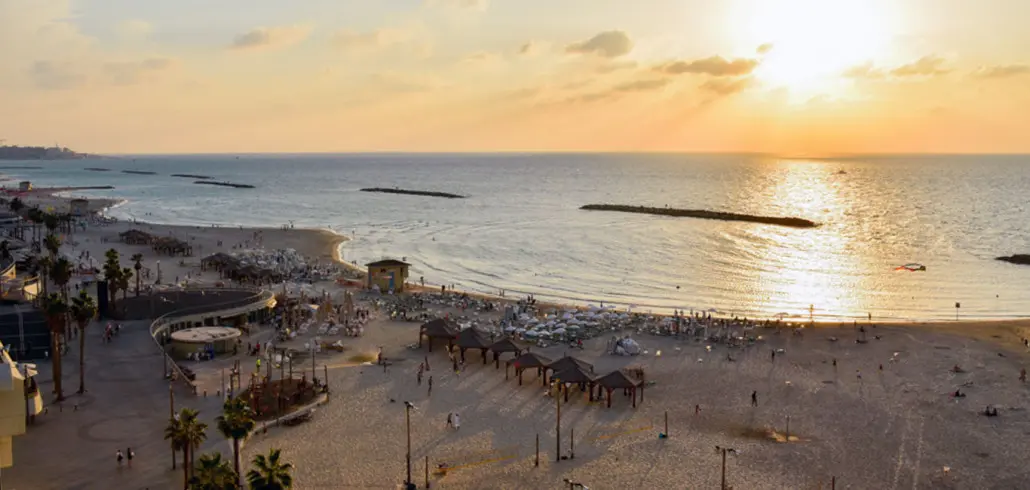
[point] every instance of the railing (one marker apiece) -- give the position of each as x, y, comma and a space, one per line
164, 322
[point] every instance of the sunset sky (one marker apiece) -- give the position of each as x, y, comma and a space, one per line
780, 76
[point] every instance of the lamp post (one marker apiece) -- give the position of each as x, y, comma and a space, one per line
557, 426
725, 450
158, 262
407, 421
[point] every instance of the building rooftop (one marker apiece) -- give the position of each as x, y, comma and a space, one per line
387, 262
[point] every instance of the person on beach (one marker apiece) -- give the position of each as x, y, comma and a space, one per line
1022, 375
774, 355
754, 398
450, 420
129, 454
118, 455
457, 421
430, 392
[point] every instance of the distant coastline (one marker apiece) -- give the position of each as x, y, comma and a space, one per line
41, 153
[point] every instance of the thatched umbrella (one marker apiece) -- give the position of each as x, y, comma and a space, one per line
438, 329
507, 344
619, 379
470, 338
528, 360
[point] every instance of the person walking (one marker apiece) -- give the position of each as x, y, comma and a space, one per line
118, 455
1022, 375
129, 454
430, 392
457, 421
754, 398
450, 420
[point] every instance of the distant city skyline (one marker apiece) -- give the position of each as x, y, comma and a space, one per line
804, 77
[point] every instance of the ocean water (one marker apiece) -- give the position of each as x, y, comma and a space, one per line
521, 230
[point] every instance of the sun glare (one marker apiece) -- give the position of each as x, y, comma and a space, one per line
814, 41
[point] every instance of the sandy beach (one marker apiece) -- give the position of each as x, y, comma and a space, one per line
877, 414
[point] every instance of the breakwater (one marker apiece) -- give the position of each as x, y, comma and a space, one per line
191, 176
96, 169
138, 172
1021, 259
446, 195
224, 184
704, 214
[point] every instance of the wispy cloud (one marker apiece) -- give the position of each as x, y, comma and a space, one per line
715, 66
477, 5
727, 86
130, 72
51, 75
609, 44
927, 66
270, 37
349, 40
1002, 71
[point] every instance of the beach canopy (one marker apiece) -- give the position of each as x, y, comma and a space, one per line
569, 362
573, 374
618, 380
440, 329
530, 360
470, 338
509, 344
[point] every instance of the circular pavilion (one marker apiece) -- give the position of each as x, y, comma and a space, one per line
213, 339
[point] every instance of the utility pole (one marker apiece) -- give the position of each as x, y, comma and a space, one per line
407, 420
171, 414
557, 428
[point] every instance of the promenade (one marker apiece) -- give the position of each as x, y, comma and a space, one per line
126, 405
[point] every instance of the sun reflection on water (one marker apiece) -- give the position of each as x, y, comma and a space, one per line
807, 268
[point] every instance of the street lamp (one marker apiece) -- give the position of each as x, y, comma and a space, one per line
408, 407
725, 450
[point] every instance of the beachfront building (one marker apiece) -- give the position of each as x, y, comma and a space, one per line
19, 397
209, 340
24, 186
78, 207
388, 275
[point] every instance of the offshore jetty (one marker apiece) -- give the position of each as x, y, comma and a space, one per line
224, 184
192, 176
138, 172
96, 169
703, 214
1021, 259
413, 193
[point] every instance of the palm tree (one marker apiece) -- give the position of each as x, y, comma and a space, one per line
214, 474
173, 435
17, 205
236, 422
44, 264
83, 310
61, 275
55, 309
51, 222
52, 243
123, 281
138, 265
112, 271
186, 434
35, 216
194, 433
269, 473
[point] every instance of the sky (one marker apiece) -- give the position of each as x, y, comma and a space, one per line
789, 77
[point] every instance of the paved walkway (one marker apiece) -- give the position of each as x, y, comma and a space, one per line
126, 405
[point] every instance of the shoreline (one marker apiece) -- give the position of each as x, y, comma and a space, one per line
329, 244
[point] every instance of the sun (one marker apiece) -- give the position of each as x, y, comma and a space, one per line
811, 42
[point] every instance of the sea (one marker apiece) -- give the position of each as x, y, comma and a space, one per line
520, 229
